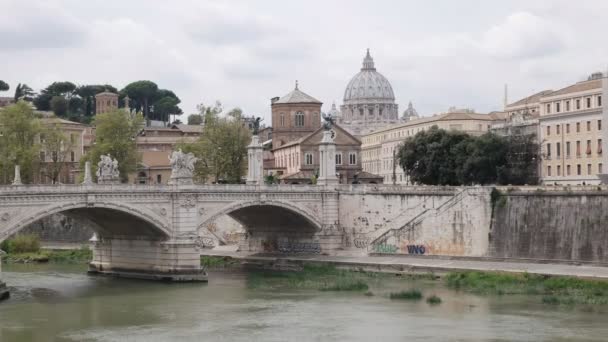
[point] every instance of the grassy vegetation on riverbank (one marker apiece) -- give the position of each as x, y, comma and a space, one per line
323, 278
218, 262
25, 248
74, 256
554, 290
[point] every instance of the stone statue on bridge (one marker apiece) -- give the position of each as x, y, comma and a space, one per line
107, 170
182, 167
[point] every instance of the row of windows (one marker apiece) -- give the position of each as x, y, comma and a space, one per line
294, 159
291, 160
352, 158
578, 170
404, 133
577, 104
577, 126
588, 150
298, 119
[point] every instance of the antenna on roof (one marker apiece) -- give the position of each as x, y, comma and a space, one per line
296, 84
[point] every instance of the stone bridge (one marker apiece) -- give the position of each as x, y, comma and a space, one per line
152, 231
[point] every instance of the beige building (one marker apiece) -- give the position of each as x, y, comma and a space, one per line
61, 163
106, 102
294, 116
571, 133
299, 159
155, 144
379, 149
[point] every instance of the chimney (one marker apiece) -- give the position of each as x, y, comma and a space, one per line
274, 99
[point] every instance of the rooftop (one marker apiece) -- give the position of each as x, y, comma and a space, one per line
297, 96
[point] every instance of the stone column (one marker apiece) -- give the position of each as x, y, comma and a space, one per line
88, 180
255, 161
327, 160
17, 179
604, 160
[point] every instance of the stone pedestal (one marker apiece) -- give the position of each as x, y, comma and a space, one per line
180, 181
108, 180
255, 162
88, 180
172, 260
17, 179
327, 161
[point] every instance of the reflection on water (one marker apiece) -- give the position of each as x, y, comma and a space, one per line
62, 303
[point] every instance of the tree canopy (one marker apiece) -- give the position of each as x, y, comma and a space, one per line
24, 92
222, 148
4, 86
115, 134
19, 143
439, 157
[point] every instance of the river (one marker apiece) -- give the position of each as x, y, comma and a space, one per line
63, 303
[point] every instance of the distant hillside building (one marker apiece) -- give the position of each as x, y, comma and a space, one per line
293, 116
106, 102
369, 101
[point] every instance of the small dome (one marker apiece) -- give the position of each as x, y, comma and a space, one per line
368, 84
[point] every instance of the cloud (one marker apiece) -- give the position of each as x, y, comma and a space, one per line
523, 35
220, 25
38, 24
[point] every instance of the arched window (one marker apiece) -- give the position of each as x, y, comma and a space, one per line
282, 119
299, 119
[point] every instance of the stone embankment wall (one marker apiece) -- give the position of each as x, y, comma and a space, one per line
551, 224
58, 228
421, 221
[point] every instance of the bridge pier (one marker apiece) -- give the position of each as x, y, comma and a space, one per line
172, 260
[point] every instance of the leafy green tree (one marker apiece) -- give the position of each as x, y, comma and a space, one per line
4, 86
19, 142
142, 92
115, 134
439, 157
59, 106
24, 92
63, 89
195, 119
222, 148
57, 147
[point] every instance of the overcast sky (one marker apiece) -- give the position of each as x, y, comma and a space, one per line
435, 53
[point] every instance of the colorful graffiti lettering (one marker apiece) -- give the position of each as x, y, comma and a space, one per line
384, 248
416, 249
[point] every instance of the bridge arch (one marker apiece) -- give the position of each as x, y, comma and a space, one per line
272, 225
108, 219
233, 210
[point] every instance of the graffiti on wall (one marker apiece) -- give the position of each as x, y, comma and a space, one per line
291, 247
386, 248
405, 249
416, 249
361, 242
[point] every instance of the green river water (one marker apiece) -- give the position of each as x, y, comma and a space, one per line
63, 303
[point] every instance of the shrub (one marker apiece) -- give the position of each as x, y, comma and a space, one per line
409, 295
26, 243
433, 300
346, 285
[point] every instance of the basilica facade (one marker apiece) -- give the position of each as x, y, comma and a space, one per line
369, 101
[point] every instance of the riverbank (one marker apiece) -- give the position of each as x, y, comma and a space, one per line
71, 256
411, 264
